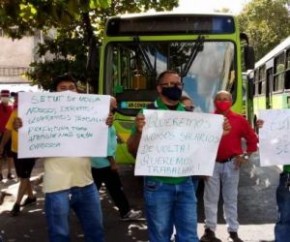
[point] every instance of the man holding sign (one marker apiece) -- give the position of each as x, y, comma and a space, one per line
274, 150
68, 183
169, 199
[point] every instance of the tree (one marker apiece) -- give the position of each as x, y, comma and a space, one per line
266, 22
78, 26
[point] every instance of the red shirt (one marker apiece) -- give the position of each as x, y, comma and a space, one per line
231, 143
5, 111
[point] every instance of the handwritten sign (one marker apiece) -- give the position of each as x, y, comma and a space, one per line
274, 138
177, 144
63, 124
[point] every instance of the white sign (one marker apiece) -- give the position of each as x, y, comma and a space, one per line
177, 144
63, 124
274, 137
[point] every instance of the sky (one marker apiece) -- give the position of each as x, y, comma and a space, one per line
235, 6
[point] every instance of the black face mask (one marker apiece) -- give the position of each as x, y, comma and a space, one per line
114, 110
172, 93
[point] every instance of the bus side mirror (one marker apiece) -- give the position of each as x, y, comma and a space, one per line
250, 88
249, 57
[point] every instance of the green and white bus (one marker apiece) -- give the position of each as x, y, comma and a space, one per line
272, 79
204, 48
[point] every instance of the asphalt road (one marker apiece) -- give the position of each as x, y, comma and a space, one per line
257, 209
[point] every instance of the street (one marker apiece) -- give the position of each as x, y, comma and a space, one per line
257, 209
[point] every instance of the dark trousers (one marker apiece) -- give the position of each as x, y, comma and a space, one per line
114, 187
282, 228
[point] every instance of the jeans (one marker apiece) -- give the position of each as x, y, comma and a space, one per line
85, 202
228, 176
282, 228
169, 205
114, 186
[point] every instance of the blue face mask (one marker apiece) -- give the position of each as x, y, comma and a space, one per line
172, 93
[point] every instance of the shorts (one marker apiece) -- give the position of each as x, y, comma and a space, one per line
7, 148
23, 167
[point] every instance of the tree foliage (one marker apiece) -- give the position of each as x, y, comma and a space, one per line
266, 22
78, 26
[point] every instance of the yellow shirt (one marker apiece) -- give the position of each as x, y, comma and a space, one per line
62, 173
14, 133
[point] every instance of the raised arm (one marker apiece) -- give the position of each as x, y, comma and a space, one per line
134, 139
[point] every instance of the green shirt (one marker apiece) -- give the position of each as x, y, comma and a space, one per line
286, 168
158, 104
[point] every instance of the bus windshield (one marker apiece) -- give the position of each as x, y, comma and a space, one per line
206, 66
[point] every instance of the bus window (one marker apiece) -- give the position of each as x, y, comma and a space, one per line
279, 68
263, 87
288, 60
261, 83
134, 67
256, 83
287, 79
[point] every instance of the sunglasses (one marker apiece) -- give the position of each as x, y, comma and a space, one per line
172, 84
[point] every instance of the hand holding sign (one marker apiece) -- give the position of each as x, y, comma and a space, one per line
178, 143
274, 137
63, 124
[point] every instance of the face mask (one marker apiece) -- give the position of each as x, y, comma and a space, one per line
172, 93
114, 110
223, 106
4, 99
189, 108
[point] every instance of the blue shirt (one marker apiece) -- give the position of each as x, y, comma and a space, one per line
101, 162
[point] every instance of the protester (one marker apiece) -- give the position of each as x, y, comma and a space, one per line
68, 183
188, 106
5, 112
282, 227
169, 201
23, 167
187, 103
230, 157
105, 170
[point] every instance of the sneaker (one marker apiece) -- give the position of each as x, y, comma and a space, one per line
209, 236
15, 210
10, 176
132, 215
28, 201
234, 237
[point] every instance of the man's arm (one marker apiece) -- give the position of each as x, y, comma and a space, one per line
226, 126
113, 164
134, 139
133, 143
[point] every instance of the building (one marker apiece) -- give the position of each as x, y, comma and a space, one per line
15, 58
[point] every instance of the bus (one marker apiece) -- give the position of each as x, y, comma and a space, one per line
206, 49
272, 79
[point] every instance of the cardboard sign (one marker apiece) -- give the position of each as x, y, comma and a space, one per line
63, 124
274, 138
177, 144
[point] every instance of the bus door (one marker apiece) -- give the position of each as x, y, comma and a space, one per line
269, 87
